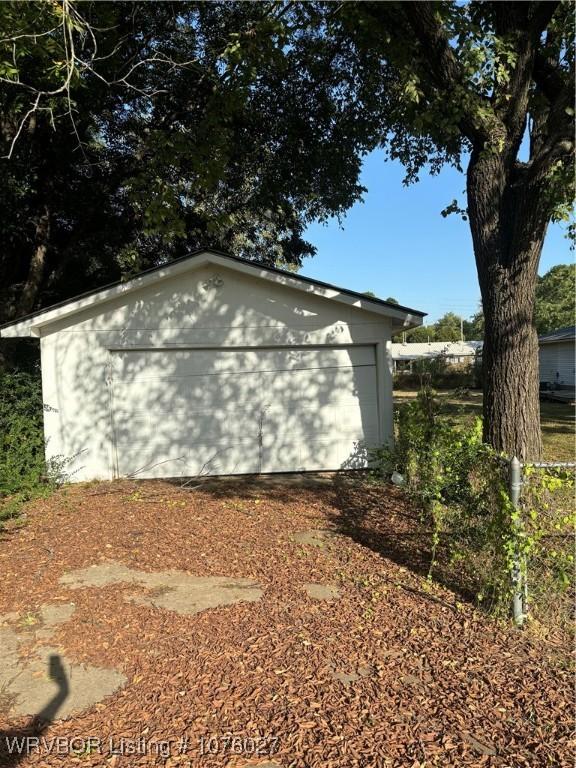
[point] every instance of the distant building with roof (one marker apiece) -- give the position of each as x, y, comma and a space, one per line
557, 353
557, 357
454, 352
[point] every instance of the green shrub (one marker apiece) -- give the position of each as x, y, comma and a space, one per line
23, 471
461, 487
451, 377
22, 464
458, 482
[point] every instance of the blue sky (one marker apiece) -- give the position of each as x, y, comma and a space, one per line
396, 243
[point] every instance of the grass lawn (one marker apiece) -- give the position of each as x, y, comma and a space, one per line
557, 420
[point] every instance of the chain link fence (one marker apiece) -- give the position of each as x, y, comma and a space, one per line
520, 476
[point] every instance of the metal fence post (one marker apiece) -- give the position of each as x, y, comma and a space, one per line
517, 576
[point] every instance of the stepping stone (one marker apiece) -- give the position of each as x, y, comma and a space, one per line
49, 686
321, 591
172, 590
482, 747
347, 678
314, 538
267, 764
54, 614
270, 765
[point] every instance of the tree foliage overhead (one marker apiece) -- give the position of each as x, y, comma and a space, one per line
231, 125
480, 77
489, 85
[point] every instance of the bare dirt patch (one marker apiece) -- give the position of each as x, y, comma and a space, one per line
444, 685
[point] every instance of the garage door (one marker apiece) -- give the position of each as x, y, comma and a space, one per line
213, 411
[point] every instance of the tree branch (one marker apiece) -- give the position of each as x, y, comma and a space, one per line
445, 68
554, 135
541, 15
548, 77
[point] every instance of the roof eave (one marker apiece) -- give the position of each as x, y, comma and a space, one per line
563, 340
18, 331
402, 318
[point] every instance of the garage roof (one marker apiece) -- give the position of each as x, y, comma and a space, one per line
562, 334
31, 325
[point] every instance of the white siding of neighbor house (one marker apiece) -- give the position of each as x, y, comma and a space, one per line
455, 351
557, 363
211, 308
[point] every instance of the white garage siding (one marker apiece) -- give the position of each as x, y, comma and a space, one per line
214, 411
217, 366
557, 363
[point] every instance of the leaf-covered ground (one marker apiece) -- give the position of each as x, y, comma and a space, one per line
393, 672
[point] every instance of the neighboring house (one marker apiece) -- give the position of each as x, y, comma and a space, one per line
557, 352
455, 352
215, 365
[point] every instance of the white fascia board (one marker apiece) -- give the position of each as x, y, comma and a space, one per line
18, 330
555, 341
33, 325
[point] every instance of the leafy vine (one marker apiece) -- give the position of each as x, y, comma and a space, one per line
461, 487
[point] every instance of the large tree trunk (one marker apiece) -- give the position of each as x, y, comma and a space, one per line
510, 358
508, 229
37, 266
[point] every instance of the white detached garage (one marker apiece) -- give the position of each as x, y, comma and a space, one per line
215, 365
